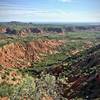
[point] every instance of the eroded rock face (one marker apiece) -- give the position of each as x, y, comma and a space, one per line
53, 30
21, 55
28, 31
2, 30
25, 32
11, 31
46, 97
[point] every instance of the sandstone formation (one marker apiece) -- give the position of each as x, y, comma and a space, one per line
21, 55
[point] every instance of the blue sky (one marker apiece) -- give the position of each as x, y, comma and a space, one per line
50, 10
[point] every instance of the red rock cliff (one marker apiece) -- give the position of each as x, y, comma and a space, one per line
21, 55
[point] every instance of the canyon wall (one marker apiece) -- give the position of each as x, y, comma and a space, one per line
24, 31
22, 55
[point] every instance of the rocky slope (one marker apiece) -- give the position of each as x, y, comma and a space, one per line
28, 31
21, 55
82, 75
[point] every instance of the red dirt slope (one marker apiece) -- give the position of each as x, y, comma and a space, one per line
21, 55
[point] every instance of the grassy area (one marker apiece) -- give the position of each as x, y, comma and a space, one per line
13, 39
81, 35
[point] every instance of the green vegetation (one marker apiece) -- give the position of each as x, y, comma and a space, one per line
19, 25
5, 90
82, 35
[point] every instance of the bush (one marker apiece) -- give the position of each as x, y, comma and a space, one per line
24, 90
5, 90
47, 85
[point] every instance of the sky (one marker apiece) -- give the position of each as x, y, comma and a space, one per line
50, 10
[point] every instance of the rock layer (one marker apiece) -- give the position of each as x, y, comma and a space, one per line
21, 55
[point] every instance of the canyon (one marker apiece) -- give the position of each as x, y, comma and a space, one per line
24, 29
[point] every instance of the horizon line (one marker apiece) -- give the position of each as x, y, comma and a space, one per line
42, 22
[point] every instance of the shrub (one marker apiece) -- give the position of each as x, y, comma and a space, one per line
5, 90
24, 90
47, 85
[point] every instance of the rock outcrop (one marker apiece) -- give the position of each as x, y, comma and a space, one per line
28, 31
2, 29
21, 55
